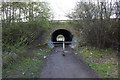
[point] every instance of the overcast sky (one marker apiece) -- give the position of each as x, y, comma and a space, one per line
61, 7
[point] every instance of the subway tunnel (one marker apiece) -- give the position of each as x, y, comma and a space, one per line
67, 35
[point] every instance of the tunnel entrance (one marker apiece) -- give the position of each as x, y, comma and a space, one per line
68, 38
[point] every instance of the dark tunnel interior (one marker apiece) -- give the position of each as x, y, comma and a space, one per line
68, 36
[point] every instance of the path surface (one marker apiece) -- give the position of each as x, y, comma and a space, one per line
68, 66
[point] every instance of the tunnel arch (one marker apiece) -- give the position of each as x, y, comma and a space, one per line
68, 36
67, 33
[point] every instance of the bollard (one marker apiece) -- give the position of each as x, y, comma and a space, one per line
63, 49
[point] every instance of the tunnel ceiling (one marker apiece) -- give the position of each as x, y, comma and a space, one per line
68, 36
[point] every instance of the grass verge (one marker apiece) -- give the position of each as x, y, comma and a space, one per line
104, 62
30, 66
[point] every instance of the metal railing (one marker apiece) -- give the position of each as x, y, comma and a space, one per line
62, 42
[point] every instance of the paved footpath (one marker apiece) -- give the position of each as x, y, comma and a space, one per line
68, 66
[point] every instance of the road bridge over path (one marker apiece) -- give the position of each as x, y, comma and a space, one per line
71, 37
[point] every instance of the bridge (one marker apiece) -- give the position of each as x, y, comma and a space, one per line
69, 35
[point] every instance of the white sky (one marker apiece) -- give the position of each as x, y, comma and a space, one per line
61, 7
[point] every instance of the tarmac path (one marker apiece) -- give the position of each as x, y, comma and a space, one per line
68, 66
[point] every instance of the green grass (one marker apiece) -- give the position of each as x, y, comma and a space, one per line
104, 62
105, 70
25, 69
29, 67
